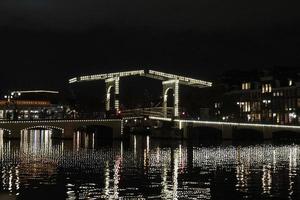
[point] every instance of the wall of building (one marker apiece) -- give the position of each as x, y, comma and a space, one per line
269, 98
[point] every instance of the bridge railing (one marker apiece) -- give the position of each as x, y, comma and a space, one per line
152, 111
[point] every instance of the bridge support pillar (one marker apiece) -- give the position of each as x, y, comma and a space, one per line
112, 83
174, 85
118, 131
68, 132
183, 127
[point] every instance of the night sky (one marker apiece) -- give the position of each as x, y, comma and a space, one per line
45, 42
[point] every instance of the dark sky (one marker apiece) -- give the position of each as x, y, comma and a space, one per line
44, 42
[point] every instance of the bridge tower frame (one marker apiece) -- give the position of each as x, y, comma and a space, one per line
112, 83
169, 81
174, 85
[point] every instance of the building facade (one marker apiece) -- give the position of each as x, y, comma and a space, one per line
270, 97
32, 105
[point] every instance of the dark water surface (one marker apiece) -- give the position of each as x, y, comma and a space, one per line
37, 167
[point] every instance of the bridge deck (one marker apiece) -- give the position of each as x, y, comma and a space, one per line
228, 128
66, 126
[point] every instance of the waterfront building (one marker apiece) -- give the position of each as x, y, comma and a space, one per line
268, 96
30, 105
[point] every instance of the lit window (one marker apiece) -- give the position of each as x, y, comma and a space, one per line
266, 88
246, 86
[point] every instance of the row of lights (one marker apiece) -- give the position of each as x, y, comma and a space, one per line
61, 121
140, 72
180, 78
225, 123
107, 75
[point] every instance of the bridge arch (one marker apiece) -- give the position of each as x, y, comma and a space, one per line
169, 91
46, 127
109, 98
5, 132
169, 101
112, 93
167, 86
57, 131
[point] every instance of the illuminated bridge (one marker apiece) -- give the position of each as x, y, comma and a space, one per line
230, 130
169, 81
13, 129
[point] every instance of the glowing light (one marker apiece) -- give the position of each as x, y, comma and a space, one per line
72, 80
114, 78
180, 125
226, 123
134, 147
167, 85
150, 74
33, 91
106, 76
182, 79
160, 118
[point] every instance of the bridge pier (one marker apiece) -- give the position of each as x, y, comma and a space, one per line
267, 133
112, 83
68, 132
174, 85
184, 132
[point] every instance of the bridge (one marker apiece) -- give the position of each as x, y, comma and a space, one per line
227, 129
171, 114
13, 129
146, 112
169, 82
114, 127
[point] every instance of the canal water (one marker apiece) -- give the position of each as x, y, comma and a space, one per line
37, 167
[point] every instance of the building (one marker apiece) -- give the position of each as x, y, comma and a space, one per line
269, 96
32, 105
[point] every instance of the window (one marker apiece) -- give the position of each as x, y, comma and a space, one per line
246, 86
217, 105
266, 88
245, 106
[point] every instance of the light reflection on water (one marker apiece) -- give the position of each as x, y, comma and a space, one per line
143, 168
